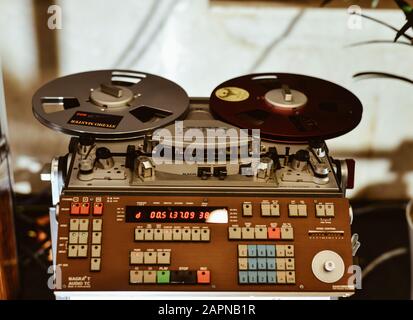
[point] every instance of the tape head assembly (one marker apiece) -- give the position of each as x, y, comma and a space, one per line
287, 108
109, 104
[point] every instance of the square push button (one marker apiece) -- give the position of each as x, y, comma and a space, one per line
243, 277
97, 208
274, 233
252, 276
203, 276
261, 249
270, 248
75, 208
163, 276
84, 208
271, 263
271, 277
252, 250
262, 263
135, 276
252, 264
262, 277
242, 250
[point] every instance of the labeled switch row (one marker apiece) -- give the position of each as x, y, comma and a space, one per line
83, 224
261, 232
268, 209
266, 264
169, 276
297, 209
95, 260
265, 250
81, 250
83, 208
173, 234
77, 251
149, 257
324, 209
266, 277
81, 237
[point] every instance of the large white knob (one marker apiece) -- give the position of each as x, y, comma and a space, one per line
328, 266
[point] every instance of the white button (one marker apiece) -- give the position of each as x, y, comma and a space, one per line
320, 210
247, 209
302, 210
136, 257
329, 209
234, 233
292, 210
275, 209
265, 209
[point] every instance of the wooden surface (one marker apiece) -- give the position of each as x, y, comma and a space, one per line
8, 254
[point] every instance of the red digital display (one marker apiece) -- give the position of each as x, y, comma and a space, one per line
165, 214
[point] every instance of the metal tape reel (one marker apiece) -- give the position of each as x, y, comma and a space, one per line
109, 104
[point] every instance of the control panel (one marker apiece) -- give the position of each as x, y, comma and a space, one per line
195, 243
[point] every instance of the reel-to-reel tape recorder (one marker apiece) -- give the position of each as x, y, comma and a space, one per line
235, 195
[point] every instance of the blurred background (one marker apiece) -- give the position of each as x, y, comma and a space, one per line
199, 44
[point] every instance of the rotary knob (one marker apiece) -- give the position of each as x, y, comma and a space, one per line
328, 266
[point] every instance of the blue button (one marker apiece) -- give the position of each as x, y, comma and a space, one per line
262, 263
270, 250
262, 277
252, 276
262, 252
252, 250
252, 263
271, 263
271, 277
243, 276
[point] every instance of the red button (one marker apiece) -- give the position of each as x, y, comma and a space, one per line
75, 208
204, 276
274, 233
84, 208
98, 208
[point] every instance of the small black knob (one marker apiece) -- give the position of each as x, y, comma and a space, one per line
86, 140
130, 157
316, 144
103, 153
302, 155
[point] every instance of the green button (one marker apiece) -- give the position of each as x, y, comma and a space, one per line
163, 276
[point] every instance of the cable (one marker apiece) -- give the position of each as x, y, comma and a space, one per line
383, 258
383, 24
138, 33
361, 43
374, 74
160, 26
277, 41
